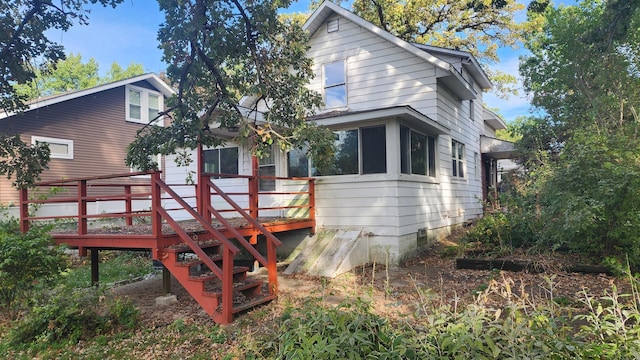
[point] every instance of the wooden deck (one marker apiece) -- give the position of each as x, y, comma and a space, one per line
140, 236
186, 227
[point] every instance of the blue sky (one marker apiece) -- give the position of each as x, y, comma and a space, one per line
127, 34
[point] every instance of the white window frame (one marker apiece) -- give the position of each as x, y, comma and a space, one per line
144, 104
49, 140
457, 162
429, 153
472, 111
219, 150
335, 85
267, 185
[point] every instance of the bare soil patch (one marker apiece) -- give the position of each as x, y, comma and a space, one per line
429, 279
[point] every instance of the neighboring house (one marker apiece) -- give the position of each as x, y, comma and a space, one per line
409, 124
88, 130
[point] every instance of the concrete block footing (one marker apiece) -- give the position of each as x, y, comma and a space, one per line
166, 300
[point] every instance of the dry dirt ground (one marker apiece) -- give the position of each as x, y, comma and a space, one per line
427, 280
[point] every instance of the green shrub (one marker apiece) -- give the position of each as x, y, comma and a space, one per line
347, 331
69, 315
27, 262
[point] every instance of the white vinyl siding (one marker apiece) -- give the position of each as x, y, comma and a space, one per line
379, 74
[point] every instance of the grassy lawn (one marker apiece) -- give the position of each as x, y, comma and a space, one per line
115, 266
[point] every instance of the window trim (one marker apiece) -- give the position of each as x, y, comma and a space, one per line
49, 140
472, 111
428, 156
268, 184
458, 163
314, 172
144, 104
335, 85
219, 150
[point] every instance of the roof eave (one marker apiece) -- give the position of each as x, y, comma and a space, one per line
160, 85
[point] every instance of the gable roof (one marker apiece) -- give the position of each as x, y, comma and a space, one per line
468, 61
151, 78
452, 78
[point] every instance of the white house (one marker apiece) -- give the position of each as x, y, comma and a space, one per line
408, 120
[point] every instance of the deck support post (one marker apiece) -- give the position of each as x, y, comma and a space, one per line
24, 210
200, 205
166, 281
95, 273
82, 208
128, 204
272, 267
254, 188
227, 286
156, 203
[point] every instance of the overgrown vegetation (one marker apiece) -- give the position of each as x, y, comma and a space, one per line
65, 316
46, 303
578, 185
28, 264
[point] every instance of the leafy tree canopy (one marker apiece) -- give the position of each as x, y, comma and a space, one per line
23, 41
478, 27
219, 51
71, 74
582, 157
584, 70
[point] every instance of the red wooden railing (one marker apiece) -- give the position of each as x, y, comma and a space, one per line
126, 189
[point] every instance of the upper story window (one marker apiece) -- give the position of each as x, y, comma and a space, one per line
60, 148
472, 110
457, 156
221, 161
417, 153
335, 84
143, 105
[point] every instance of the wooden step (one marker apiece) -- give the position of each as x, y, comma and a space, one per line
207, 276
237, 287
190, 263
253, 302
181, 248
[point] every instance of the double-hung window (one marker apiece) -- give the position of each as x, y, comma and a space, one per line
267, 167
60, 148
143, 105
417, 153
335, 84
457, 158
221, 161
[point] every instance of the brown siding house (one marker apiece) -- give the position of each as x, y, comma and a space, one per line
87, 131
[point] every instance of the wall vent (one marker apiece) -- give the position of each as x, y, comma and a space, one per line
333, 25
